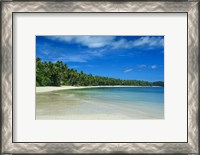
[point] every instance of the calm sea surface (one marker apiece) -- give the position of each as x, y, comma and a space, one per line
101, 103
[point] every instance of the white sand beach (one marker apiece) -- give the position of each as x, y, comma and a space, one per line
54, 88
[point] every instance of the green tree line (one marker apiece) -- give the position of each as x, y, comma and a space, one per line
57, 74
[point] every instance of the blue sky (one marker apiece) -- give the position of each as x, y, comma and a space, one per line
124, 57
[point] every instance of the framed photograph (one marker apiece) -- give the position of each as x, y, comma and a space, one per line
99, 77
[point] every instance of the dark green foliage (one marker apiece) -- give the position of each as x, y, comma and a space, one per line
57, 74
158, 83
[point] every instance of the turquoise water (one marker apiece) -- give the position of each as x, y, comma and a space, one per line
102, 104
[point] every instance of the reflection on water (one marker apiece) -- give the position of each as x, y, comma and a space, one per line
101, 103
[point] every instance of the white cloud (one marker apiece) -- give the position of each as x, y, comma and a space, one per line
61, 38
149, 41
102, 41
99, 46
89, 41
142, 66
97, 53
149, 66
153, 67
128, 70
122, 43
82, 56
74, 58
95, 41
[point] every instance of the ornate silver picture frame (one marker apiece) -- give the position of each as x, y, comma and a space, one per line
8, 8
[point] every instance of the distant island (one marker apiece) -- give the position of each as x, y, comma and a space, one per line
57, 74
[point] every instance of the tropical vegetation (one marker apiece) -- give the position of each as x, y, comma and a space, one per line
57, 74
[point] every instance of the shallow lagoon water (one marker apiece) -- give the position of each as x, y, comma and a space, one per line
117, 103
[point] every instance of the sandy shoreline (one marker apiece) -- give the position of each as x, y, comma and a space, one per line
53, 88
